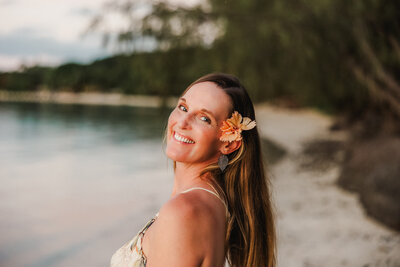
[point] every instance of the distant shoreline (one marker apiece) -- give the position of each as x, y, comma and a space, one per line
92, 98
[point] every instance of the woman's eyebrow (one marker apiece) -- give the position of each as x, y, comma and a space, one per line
203, 109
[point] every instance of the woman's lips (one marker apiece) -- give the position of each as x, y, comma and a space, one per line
182, 142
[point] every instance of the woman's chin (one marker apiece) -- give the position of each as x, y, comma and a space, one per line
176, 155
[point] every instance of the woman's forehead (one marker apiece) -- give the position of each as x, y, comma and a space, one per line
207, 95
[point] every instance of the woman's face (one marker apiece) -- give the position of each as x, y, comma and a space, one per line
197, 117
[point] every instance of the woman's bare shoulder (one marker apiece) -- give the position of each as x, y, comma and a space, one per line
187, 210
181, 234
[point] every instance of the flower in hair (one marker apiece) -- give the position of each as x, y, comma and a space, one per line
232, 128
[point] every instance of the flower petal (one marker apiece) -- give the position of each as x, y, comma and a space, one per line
226, 126
235, 120
226, 138
248, 124
231, 135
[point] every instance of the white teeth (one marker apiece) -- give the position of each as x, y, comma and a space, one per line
183, 139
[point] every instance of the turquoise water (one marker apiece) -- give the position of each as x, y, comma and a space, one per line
76, 182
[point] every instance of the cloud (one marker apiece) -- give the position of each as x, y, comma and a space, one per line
63, 20
4, 3
26, 46
47, 31
83, 11
50, 31
26, 42
12, 63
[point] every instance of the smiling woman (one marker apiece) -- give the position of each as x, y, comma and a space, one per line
220, 210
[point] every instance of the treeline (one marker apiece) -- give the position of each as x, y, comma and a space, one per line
155, 73
330, 54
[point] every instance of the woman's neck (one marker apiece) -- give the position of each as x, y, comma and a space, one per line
187, 176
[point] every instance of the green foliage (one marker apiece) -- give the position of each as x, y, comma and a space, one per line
306, 50
26, 79
68, 76
157, 73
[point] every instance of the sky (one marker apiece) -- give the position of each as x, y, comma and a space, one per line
51, 32
47, 32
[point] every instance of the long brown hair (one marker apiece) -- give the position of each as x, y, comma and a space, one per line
250, 234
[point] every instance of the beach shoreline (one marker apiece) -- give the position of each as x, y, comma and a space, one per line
87, 98
318, 223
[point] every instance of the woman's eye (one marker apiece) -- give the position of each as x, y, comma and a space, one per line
182, 106
206, 120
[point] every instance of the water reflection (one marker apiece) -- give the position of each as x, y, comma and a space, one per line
34, 116
77, 181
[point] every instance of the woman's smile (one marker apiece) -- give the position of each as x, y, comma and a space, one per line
182, 139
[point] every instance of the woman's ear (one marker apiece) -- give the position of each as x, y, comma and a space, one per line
229, 147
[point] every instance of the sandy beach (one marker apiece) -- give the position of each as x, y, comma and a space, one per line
318, 223
86, 98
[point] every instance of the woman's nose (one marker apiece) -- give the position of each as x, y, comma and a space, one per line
184, 121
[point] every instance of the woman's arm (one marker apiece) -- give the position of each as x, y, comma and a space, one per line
183, 231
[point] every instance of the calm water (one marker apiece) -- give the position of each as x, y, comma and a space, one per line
76, 182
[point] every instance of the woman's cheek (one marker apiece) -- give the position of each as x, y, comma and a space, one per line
172, 117
211, 136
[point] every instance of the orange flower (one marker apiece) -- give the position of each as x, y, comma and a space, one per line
232, 127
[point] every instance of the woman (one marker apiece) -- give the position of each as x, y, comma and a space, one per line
220, 207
